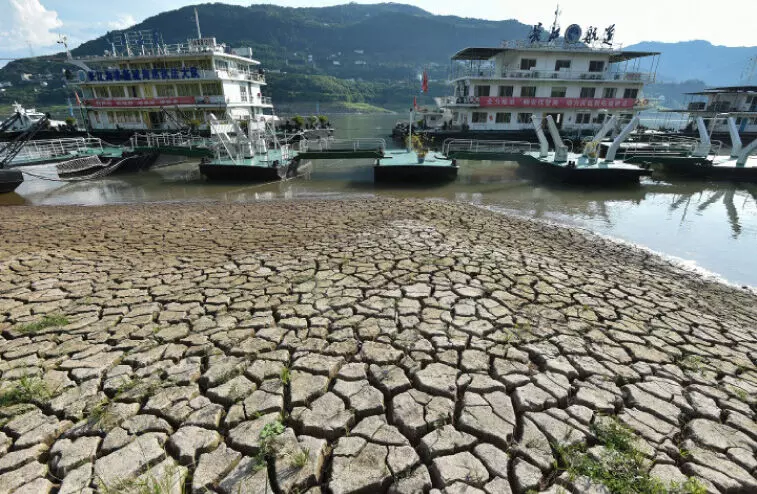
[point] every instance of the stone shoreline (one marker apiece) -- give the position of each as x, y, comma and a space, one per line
359, 346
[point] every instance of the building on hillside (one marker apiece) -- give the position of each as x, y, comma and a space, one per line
144, 84
580, 81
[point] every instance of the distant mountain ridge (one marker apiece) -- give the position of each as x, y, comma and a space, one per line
699, 59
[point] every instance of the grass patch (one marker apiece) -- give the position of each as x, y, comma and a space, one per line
301, 458
270, 431
168, 481
44, 323
620, 467
285, 376
26, 390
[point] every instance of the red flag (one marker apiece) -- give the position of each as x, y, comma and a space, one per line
424, 83
415, 103
78, 101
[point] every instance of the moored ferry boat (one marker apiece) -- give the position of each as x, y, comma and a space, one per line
579, 79
739, 102
255, 156
143, 84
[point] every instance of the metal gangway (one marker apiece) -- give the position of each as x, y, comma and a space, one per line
171, 143
330, 148
48, 150
483, 149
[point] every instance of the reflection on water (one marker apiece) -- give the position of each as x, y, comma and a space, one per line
711, 225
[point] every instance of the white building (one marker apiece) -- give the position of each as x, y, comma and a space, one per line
500, 88
158, 86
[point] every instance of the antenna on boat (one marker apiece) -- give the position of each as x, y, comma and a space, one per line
197, 22
63, 40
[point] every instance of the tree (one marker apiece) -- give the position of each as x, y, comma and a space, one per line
298, 121
312, 119
323, 120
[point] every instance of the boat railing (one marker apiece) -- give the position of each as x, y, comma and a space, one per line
610, 74
167, 140
485, 146
330, 144
665, 145
52, 148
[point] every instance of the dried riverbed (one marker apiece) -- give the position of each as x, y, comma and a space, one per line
360, 346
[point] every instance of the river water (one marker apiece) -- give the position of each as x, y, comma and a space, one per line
705, 226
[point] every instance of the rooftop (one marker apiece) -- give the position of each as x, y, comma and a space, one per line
485, 53
726, 89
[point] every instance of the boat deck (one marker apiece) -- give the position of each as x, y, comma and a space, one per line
578, 169
403, 167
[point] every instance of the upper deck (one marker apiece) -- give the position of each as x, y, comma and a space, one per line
552, 61
201, 58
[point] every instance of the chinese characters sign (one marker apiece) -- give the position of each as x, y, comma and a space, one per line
137, 102
489, 101
140, 74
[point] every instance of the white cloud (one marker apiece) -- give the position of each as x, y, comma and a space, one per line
29, 23
122, 22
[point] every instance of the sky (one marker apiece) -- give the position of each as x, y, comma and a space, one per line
32, 27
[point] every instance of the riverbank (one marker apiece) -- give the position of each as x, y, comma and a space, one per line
422, 343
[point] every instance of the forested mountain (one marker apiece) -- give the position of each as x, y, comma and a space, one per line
354, 53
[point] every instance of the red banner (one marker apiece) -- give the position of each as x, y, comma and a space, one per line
136, 102
488, 101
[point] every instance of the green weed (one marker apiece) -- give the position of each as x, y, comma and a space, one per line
285, 376
301, 458
26, 390
44, 323
621, 468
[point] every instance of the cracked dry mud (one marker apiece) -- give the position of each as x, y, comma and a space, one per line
406, 346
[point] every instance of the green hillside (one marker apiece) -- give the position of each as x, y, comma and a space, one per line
394, 41
361, 54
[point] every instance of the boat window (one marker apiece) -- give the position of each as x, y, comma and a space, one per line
478, 117
133, 91
559, 92
243, 93
562, 64
187, 89
630, 93
481, 90
528, 91
165, 90
527, 63
609, 92
588, 92
600, 118
505, 90
596, 66
211, 89
583, 118
503, 117
524, 118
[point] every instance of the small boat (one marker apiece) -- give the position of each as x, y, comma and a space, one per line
23, 119
587, 167
410, 167
10, 180
415, 164
257, 157
738, 166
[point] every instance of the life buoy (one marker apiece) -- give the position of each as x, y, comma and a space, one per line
591, 149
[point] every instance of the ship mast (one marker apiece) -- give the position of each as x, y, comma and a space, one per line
197, 22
